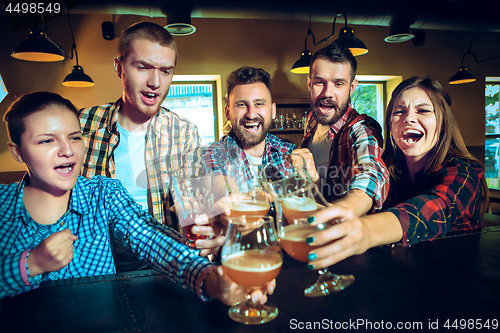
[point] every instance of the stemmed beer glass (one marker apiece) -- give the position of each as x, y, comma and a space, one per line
298, 198
252, 257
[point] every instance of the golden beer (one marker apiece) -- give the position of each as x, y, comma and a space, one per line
253, 268
294, 243
295, 208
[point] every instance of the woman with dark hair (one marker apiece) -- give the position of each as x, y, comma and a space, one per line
56, 224
437, 186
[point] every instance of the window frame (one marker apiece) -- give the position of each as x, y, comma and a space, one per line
215, 81
489, 136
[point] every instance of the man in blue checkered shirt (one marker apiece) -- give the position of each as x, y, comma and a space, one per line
250, 111
55, 224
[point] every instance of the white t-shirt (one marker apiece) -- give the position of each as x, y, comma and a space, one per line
130, 164
253, 159
320, 147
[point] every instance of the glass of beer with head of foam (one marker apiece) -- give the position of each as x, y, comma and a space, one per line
298, 198
252, 258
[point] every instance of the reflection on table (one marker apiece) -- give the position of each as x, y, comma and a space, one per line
431, 283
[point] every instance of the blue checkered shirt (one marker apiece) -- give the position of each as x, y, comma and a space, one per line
96, 207
228, 151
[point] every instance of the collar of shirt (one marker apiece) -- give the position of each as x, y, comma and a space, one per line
335, 128
271, 144
18, 208
113, 115
77, 202
155, 123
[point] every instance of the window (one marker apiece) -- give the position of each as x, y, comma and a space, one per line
369, 99
197, 98
492, 131
3, 90
372, 95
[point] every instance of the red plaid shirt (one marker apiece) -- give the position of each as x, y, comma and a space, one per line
447, 200
356, 151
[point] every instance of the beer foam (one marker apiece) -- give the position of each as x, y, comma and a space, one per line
248, 206
253, 261
302, 204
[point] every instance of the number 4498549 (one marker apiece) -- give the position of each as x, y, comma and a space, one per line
33, 7
471, 324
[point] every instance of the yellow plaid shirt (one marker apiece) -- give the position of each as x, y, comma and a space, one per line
172, 142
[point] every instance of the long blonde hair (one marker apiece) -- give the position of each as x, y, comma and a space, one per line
450, 142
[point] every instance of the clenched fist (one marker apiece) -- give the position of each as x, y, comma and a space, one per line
52, 254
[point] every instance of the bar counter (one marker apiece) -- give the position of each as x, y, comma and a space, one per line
454, 282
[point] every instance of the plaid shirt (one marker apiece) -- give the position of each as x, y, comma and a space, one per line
228, 151
356, 151
96, 207
172, 142
445, 201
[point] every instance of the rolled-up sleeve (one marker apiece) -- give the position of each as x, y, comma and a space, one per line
369, 172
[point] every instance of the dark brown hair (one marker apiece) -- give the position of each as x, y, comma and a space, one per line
449, 142
337, 54
247, 75
27, 105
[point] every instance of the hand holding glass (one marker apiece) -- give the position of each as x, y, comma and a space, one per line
252, 258
298, 199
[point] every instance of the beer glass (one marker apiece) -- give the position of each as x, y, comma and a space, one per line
298, 198
193, 196
245, 194
252, 257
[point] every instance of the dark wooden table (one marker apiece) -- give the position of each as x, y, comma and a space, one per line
455, 280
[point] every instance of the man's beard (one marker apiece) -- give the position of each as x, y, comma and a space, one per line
335, 115
248, 139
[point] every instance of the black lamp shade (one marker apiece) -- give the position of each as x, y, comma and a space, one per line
301, 66
77, 78
37, 48
179, 21
399, 32
462, 76
347, 39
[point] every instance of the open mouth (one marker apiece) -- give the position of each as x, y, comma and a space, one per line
65, 168
251, 126
411, 136
149, 98
325, 106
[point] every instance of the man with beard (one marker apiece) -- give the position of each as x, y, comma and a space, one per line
135, 139
250, 110
353, 172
